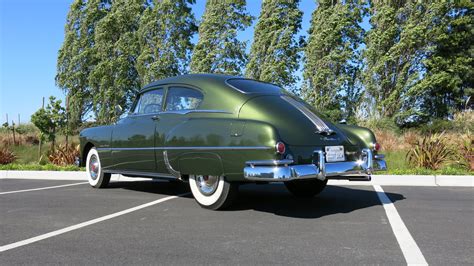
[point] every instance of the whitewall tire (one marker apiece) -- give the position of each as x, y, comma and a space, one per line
95, 174
212, 192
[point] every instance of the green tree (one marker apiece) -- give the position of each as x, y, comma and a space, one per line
274, 56
218, 50
165, 35
76, 58
71, 76
448, 77
114, 80
50, 120
332, 58
395, 49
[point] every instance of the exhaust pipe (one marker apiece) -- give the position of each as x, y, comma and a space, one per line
359, 178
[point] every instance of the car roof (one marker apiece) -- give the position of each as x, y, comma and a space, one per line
198, 80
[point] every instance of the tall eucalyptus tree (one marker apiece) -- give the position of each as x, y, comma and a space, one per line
218, 50
274, 55
165, 33
332, 62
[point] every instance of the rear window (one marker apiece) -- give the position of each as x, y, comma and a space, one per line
253, 86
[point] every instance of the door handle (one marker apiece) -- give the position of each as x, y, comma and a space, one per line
155, 118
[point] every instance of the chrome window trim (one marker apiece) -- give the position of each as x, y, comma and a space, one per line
244, 92
231, 148
182, 112
185, 112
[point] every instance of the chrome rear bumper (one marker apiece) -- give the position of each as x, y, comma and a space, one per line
283, 170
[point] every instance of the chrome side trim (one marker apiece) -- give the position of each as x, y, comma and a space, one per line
317, 122
169, 167
230, 148
140, 174
126, 149
269, 162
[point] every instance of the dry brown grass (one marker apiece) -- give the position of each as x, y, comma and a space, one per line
64, 154
386, 139
464, 146
20, 139
431, 150
6, 156
409, 138
390, 141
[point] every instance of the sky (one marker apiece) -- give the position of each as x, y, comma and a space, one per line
31, 33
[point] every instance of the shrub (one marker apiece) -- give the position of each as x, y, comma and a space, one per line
30, 139
6, 156
463, 121
383, 124
431, 152
27, 129
466, 151
390, 141
64, 154
410, 138
387, 140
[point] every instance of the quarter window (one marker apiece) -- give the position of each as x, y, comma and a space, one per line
180, 98
150, 102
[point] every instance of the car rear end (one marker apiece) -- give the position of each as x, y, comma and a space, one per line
309, 146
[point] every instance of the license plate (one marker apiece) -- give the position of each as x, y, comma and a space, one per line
335, 153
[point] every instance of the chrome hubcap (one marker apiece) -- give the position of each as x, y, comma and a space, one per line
94, 167
207, 184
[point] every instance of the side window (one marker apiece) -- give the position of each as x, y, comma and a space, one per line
149, 102
180, 98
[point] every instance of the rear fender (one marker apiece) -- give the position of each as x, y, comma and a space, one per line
201, 163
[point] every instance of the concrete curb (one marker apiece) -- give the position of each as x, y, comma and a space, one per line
382, 180
413, 180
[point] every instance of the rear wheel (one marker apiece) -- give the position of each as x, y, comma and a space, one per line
95, 175
306, 188
212, 192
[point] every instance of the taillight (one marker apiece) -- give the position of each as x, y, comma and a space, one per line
377, 147
280, 147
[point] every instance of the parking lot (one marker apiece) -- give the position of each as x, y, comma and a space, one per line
157, 222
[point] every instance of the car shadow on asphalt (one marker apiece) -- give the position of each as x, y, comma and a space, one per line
153, 187
333, 200
274, 198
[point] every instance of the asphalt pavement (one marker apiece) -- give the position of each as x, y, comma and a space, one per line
151, 222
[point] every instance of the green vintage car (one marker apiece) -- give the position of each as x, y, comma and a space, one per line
217, 132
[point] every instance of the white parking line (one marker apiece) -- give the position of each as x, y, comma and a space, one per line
410, 249
42, 188
84, 224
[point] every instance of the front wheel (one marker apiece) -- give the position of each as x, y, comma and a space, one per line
95, 175
213, 192
306, 188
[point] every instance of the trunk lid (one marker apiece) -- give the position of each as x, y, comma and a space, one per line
297, 123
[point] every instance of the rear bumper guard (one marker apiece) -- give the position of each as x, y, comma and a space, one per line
284, 170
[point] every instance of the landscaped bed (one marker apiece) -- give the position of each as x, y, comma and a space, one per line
454, 157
